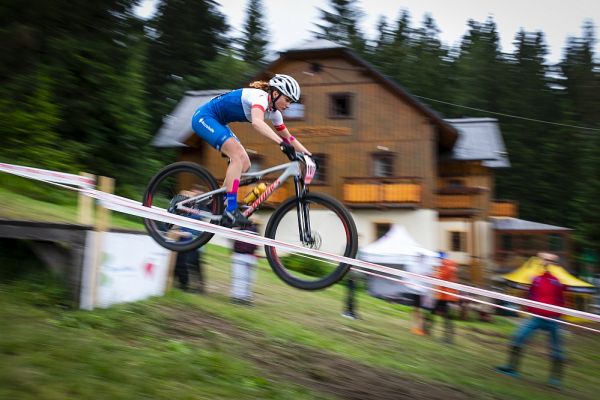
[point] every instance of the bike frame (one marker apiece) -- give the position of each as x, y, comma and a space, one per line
291, 169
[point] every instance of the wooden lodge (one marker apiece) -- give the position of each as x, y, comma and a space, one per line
388, 157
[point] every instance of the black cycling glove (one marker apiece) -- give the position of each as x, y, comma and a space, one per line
288, 150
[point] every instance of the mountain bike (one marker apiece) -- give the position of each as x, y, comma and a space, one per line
312, 220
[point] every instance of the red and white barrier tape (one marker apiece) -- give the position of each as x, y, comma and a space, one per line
476, 300
128, 206
48, 176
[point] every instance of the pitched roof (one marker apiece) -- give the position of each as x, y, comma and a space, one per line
177, 126
515, 224
321, 47
479, 140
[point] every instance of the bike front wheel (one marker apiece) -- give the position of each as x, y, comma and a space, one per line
169, 187
315, 221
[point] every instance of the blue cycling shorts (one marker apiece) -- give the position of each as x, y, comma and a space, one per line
211, 130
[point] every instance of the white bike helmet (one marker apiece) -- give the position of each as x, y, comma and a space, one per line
286, 85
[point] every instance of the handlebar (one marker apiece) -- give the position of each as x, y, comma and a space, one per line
294, 155
288, 150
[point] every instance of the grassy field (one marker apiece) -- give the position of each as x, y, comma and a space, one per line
290, 345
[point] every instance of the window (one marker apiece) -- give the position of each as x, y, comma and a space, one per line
340, 105
295, 111
456, 183
556, 242
458, 241
321, 175
506, 242
526, 242
381, 228
383, 165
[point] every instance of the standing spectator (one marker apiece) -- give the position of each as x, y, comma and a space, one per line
447, 271
417, 292
546, 289
189, 263
243, 270
350, 305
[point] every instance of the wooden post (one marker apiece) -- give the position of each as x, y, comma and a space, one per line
85, 204
102, 225
475, 264
106, 185
171, 269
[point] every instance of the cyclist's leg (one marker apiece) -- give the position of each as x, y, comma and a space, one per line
223, 139
239, 161
211, 130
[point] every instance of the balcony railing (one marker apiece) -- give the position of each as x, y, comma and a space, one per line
382, 191
504, 208
456, 201
461, 199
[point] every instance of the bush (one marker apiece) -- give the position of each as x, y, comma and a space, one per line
306, 265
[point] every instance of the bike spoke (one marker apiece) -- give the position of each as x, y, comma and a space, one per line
323, 228
179, 191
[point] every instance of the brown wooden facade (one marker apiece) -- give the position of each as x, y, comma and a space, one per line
383, 120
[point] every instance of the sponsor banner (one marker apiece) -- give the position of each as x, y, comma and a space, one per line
131, 267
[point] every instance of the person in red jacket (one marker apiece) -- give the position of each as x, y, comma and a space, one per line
447, 271
545, 288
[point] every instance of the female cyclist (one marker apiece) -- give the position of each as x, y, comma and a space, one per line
262, 100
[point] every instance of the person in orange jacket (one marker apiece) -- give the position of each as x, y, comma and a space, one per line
447, 271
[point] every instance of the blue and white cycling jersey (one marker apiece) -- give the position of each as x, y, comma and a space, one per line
210, 120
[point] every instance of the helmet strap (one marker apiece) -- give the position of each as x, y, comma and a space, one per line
274, 99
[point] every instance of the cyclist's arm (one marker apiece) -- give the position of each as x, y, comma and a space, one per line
287, 137
258, 123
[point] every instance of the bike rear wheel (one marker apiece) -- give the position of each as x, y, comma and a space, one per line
171, 185
332, 230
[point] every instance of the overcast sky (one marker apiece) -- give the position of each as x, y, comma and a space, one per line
291, 21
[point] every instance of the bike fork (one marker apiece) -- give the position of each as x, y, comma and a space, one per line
303, 214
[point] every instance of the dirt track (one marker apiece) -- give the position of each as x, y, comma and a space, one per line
321, 372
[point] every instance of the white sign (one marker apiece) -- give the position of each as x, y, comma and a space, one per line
131, 267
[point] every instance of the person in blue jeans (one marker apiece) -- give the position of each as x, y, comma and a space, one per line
261, 101
545, 288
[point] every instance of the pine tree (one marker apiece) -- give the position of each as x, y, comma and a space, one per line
226, 71
78, 64
392, 54
537, 151
478, 68
583, 102
341, 25
429, 64
185, 34
254, 40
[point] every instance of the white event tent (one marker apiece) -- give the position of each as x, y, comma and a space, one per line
397, 249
